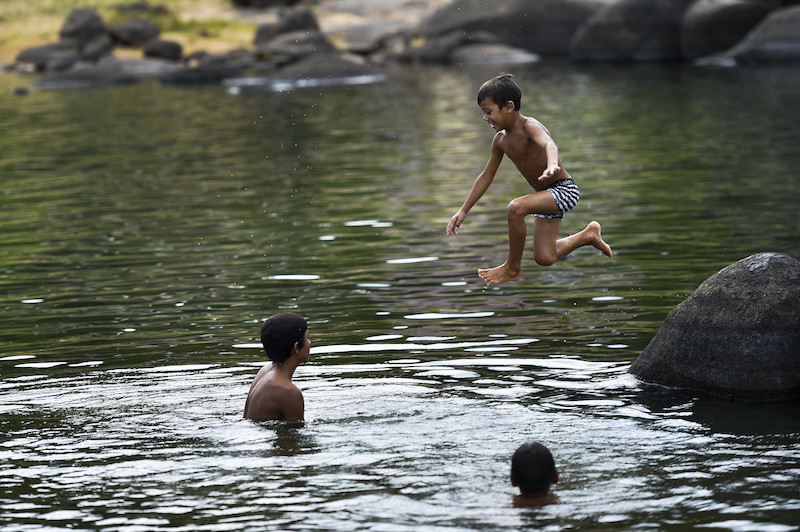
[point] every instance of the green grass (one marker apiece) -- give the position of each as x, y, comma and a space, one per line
209, 25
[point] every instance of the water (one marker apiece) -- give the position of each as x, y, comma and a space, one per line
147, 231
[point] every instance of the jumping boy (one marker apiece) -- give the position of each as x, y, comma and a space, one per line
272, 394
531, 148
533, 470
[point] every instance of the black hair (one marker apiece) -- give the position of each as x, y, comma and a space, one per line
280, 333
533, 468
501, 89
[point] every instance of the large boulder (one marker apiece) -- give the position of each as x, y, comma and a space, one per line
133, 33
736, 336
713, 26
544, 27
632, 31
775, 40
47, 57
82, 26
83, 36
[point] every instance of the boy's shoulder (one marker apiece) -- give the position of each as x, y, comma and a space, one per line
272, 397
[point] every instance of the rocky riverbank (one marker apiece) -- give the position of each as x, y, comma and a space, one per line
349, 41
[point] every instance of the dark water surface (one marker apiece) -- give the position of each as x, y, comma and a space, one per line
146, 231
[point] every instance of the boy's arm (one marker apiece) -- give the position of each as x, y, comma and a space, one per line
293, 405
479, 187
543, 139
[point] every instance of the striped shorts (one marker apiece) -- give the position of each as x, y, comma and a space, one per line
566, 194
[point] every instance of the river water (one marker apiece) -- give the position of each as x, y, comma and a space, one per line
148, 230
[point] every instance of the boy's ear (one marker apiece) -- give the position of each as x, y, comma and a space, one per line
513, 480
509, 106
555, 477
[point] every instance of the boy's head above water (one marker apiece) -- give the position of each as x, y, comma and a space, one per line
280, 333
501, 90
533, 470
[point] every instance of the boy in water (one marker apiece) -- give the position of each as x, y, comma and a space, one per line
531, 148
533, 470
272, 394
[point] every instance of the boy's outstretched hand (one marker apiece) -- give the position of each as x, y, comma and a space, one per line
455, 223
549, 172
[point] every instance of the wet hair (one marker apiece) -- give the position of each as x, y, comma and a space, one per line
501, 89
533, 468
280, 333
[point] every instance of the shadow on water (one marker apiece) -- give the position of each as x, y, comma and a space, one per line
778, 419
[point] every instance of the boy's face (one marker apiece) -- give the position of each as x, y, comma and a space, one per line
493, 115
305, 351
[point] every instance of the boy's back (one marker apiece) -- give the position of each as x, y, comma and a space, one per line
272, 396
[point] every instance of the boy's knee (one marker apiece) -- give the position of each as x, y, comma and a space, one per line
516, 209
544, 260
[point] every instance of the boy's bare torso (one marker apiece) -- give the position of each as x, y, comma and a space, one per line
529, 156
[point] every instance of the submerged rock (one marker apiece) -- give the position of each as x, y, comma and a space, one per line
316, 71
200, 75
85, 78
736, 336
490, 54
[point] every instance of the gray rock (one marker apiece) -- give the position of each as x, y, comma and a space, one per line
368, 38
736, 336
138, 68
238, 58
289, 20
200, 75
712, 26
319, 70
163, 49
293, 46
543, 27
775, 40
82, 26
632, 31
86, 77
491, 54
439, 49
55, 56
133, 33
97, 48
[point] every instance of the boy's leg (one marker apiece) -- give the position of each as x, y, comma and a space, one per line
541, 202
548, 248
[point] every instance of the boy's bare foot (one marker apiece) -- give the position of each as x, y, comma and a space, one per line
597, 241
499, 275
